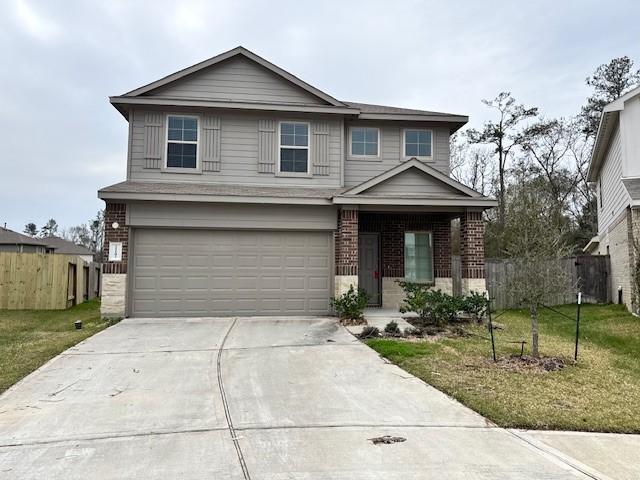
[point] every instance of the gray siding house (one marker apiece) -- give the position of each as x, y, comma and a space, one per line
615, 170
251, 192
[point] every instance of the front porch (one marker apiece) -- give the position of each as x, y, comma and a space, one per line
377, 249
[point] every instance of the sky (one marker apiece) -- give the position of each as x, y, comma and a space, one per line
61, 140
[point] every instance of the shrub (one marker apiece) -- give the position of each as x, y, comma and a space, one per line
432, 306
475, 304
351, 304
392, 328
369, 332
413, 332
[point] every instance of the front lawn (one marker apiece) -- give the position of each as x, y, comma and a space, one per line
28, 338
600, 393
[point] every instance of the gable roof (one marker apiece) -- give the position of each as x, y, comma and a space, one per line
238, 51
9, 237
606, 129
67, 247
460, 196
413, 163
153, 94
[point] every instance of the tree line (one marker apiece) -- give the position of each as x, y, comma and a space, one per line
520, 151
88, 234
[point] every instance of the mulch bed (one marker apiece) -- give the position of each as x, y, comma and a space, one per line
527, 363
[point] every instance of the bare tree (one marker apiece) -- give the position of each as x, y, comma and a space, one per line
472, 165
504, 135
49, 229
536, 248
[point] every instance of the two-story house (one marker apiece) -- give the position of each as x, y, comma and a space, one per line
615, 170
251, 192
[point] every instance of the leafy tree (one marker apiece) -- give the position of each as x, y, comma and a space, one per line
30, 229
504, 135
536, 248
609, 81
49, 229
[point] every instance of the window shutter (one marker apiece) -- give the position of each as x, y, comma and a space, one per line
320, 148
267, 146
153, 140
210, 144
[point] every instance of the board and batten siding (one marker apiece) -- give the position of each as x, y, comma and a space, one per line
615, 197
237, 148
238, 79
358, 170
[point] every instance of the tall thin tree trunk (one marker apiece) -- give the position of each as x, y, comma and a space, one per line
533, 310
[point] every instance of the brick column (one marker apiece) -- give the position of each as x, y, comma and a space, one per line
346, 250
472, 252
114, 273
634, 239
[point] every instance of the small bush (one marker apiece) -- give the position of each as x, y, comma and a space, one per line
413, 332
351, 305
475, 304
392, 328
432, 306
369, 332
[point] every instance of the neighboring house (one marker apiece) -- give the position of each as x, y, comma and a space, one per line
11, 241
615, 169
67, 247
251, 192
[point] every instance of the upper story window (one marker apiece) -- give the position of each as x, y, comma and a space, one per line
417, 143
364, 142
418, 257
294, 147
182, 141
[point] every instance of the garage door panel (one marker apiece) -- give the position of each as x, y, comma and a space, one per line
214, 273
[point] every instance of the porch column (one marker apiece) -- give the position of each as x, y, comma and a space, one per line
114, 273
346, 250
472, 252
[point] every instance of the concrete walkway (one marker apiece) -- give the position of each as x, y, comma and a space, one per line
268, 398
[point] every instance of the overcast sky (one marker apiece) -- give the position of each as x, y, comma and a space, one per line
61, 140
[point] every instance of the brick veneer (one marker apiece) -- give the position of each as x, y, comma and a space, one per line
392, 227
472, 245
115, 212
346, 242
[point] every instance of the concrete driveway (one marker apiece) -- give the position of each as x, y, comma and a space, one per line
267, 398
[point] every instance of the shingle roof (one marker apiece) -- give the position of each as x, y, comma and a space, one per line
213, 189
371, 108
9, 237
633, 187
65, 246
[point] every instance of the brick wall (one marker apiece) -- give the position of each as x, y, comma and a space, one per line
115, 212
346, 243
392, 227
472, 245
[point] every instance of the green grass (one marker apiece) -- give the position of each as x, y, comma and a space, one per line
29, 338
599, 393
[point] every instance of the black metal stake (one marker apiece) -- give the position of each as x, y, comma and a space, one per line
493, 345
575, 355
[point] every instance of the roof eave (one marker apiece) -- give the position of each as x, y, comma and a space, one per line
122, 104
181, 197
484, 203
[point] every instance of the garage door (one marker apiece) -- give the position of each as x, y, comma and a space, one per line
218, 273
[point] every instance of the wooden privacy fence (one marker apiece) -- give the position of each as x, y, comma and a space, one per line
45, 281
590, 273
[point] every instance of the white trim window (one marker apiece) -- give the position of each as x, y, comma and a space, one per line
182, 141
294, 147
417, 143
365, 142
418, 257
